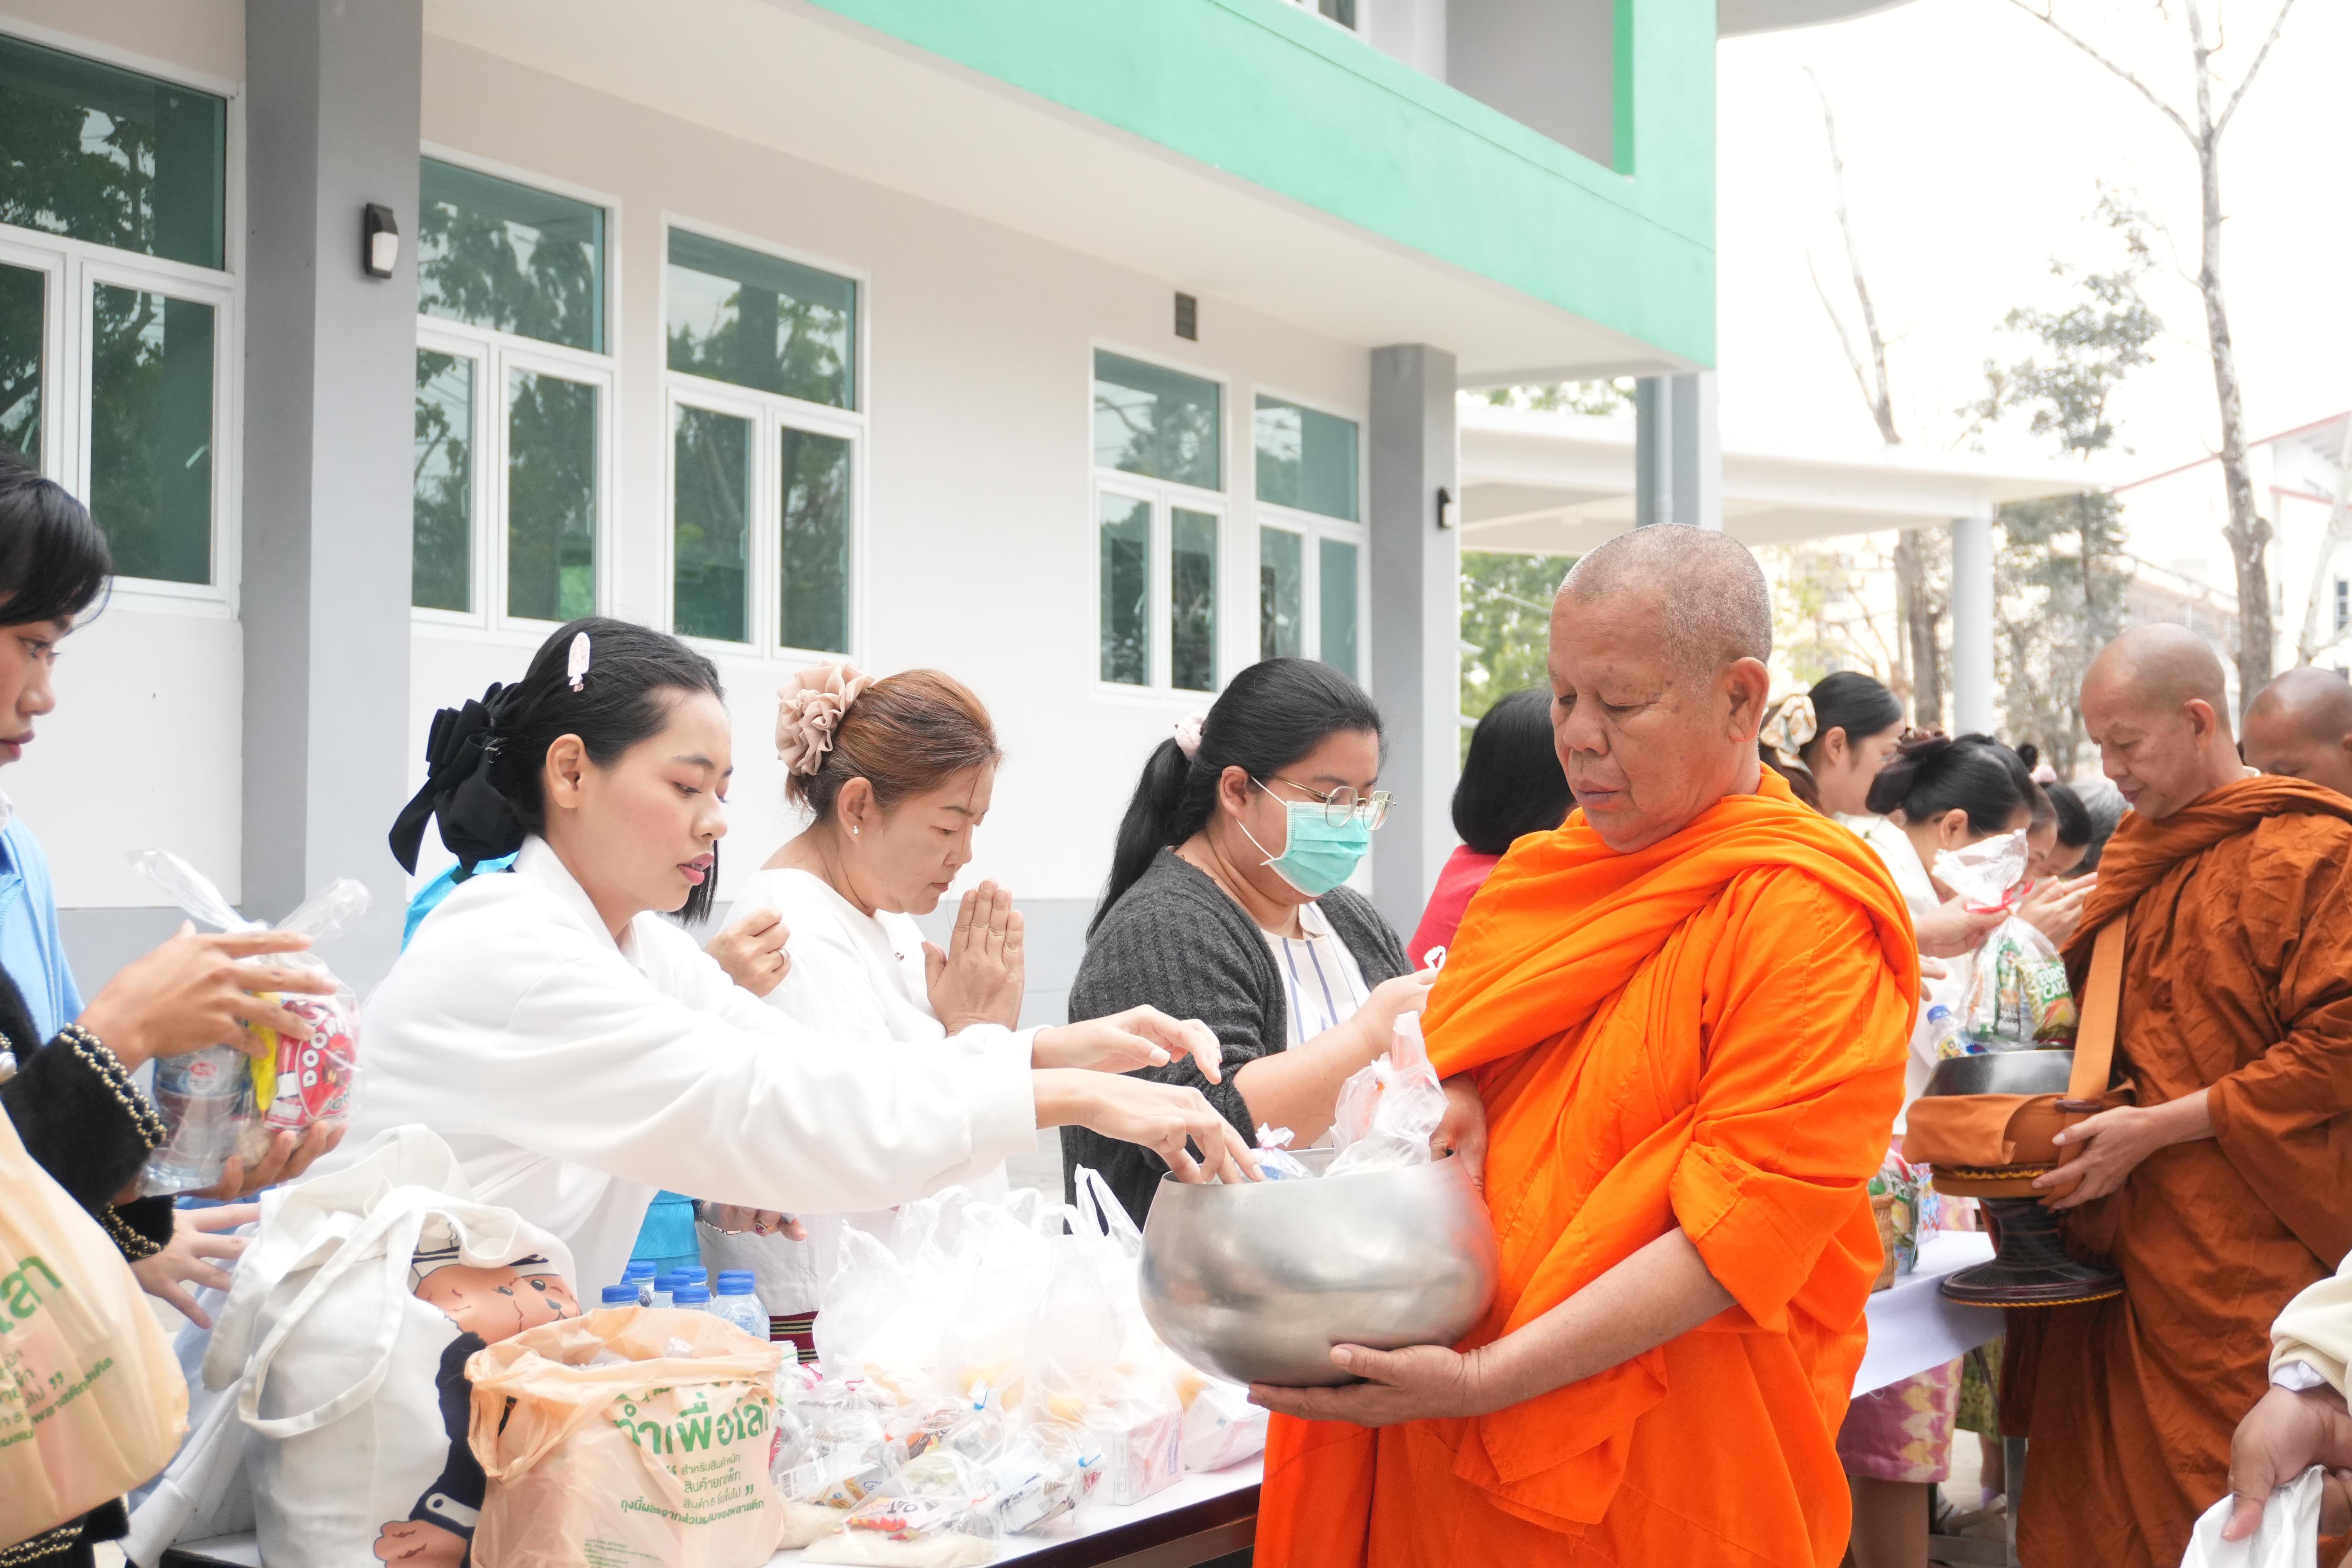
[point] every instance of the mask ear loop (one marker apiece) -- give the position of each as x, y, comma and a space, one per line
1277, 800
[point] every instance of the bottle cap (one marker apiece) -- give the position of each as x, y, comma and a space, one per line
670, 1281
694, 1271
689, 1295
727, 1273
733, 1284
622, 1295
639, 1268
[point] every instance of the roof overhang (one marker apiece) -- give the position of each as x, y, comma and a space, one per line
1734, 18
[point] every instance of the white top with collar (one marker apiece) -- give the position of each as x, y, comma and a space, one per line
573, 1077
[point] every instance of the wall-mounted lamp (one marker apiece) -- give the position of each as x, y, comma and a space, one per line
1449, 510
379, 241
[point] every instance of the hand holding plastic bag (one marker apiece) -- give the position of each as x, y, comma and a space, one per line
2288, 1536
1389, 1110
1275, 1160
2018, 990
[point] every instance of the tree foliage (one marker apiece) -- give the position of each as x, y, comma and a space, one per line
1594, 397
1506, 625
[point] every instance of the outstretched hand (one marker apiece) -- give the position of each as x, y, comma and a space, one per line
197, 1255
2282, 1436
1414, 1385
1123, 1042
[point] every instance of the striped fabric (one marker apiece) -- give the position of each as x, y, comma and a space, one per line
800, 1328
1321, 982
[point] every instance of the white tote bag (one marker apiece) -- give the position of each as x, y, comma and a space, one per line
339, 1357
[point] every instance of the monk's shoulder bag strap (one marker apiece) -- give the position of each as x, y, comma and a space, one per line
1993, 1145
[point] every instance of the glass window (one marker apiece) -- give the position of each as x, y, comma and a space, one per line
550, 497
1281, 593
760, 321
1340, 11
1192, 600
99, 153
1126, 590
151, 432
1159, 423
23, 300
441, 538
510, 257
815, 544
1305, 459
711, 524
1336, 599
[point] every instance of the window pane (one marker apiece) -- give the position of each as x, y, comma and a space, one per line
1337, 593
1192, 600
510, 257
1281, 593
1306, 460
150, 433
1340, 11
1157, 422
1126, 591
22, 293
550, 497
816, 542
110, 156
710, 593
737, 315
441, 536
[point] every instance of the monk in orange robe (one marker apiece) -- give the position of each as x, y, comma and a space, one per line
1684, 1016
2225, 1187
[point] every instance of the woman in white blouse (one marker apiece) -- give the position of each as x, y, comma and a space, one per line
578, 1052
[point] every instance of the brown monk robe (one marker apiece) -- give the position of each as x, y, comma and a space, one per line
2227, 1187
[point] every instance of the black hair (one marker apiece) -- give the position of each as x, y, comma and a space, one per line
1269, 715
1931, 774
1512, 783
2029, 754
2073, 817
54, 560
1852, 701
487, 760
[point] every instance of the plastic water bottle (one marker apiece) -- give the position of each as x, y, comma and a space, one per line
1943, 1028
739, 1306
640, 1278
205, 1099
665, 1291
691, 1297
692, 1273
625, 1294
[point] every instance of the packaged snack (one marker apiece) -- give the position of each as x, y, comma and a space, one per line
2018, 993
1041, 1476
938, 1512
1273, 1159
1141, 1440
1221, 1427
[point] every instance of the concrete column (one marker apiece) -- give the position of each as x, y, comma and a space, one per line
1972, 650
1417, 610
331, 124
1677, 452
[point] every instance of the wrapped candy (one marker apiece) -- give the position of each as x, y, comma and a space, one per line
1275, 1160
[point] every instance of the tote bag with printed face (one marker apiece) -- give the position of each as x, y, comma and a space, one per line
92, 1400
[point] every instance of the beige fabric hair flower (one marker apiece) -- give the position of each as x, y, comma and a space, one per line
809, 709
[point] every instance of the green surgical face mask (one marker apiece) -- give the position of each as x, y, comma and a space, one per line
1316, 857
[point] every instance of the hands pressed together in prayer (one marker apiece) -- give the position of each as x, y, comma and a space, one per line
2282, 1436
2116, 1141
979, 979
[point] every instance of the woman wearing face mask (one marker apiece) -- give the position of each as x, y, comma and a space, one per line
578, 1052
1225, 904
896, 775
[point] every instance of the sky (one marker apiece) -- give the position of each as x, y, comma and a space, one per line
1976, 141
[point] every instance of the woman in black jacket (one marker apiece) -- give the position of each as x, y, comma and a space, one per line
1225, 905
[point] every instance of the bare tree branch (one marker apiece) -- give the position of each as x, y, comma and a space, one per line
2050, 20
1846, 340
1876, 390
2248, 79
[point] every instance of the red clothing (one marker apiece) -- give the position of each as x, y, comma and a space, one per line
1465, 873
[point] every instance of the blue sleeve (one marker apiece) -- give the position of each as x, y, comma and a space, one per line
429, 897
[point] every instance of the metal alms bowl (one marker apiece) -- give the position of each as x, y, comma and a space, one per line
1257, 1282
2003, 1072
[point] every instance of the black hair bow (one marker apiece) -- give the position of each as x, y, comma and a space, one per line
477, 822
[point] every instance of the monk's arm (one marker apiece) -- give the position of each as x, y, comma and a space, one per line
2119, 1139
1659, 1293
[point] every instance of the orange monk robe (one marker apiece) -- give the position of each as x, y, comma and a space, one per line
1707, 1033
2237, 978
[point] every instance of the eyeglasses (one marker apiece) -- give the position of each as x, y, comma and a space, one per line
1344, 803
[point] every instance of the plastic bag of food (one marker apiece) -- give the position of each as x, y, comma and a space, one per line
831, 1453
1221, 1427
1389, 1110
1040, 1474
1895, 1205
1274, 1157
1140, 1430
219, 1101
940, 1512
2017, 991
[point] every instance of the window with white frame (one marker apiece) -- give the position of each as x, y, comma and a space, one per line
1340, 11
116, 304
1310, 536
514, 388
765, 441
1159, 510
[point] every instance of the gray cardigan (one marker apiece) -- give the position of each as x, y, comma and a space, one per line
1177, 940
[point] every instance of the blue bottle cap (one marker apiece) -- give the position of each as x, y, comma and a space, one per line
670, 1281
691, 1295
623, 1295
727, 1273
694, 1271
639, 1268
732, 1284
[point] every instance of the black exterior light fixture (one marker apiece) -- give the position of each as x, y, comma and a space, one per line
1188, 318
379, 241
1449, 510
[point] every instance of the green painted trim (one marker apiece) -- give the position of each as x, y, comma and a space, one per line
1271, 94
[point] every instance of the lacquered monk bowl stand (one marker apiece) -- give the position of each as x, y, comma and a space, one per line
2029, 1267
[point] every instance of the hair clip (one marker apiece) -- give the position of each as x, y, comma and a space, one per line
576, 667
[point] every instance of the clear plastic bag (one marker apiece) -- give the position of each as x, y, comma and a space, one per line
940, 1512
1389, 1110
2018, 992
218, 1101
1040, 1474
1274, 1157
830, 1454
1221, 1427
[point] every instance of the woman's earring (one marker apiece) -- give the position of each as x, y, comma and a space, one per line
853, 833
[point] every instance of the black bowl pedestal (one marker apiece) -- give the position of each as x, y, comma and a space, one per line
2029, 1268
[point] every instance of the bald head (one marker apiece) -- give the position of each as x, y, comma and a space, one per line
2157, 703
2301, 727
1658, 642
1711, 604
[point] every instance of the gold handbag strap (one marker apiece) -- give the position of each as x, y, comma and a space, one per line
2103, 994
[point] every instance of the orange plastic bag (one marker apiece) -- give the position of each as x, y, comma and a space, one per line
660, 1458
92, 1400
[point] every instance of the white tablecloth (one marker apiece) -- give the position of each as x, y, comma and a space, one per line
1912, 1327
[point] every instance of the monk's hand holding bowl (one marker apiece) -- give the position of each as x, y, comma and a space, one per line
2116, 1141
2282, 1436
1419, 1384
